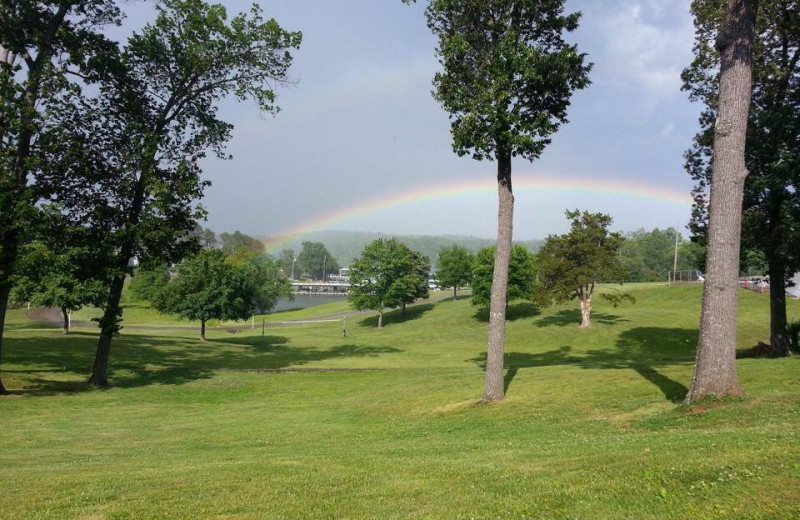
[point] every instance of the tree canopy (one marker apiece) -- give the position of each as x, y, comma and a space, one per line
521, 275
387, 274
315, 261
454, 268
571, 265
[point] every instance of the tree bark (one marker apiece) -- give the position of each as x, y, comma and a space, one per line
380, 318
108, 328
778, 331
586, 313
493, 389
65, 315
715, 368
455, 293
203, 329
5, 293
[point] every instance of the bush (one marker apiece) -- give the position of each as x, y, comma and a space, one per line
794, 335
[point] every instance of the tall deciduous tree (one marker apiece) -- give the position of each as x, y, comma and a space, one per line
315, 260
771, 202
571, 265
508, 76
715, 368
154, 119
238, 240
38, 40
521, 275
387, 275
454, 268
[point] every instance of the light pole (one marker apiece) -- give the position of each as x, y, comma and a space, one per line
324, 263
293, 261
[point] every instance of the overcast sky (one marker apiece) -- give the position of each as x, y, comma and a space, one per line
360, 124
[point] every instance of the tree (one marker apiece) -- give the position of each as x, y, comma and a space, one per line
140, 141
38, 41
286, 261
387, 275
238, 240
265, 275
67, 279
147, 281
507, 81
571, 265
715, 367
209, 286
416, 280
521, 275
316, 261
454, 268
771, 199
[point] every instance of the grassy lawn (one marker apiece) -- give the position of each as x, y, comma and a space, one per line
592, 427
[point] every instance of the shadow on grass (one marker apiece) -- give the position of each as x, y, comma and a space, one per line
143, 360
514, 312
396, 316
573, 317
642, 349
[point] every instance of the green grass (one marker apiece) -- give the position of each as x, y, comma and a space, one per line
592, 426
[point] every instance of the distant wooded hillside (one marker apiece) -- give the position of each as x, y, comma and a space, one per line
347, 245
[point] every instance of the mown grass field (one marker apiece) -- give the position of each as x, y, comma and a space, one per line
592, 426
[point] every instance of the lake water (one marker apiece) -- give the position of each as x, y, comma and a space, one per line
302, 301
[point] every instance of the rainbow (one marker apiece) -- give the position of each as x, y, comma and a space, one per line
523, 183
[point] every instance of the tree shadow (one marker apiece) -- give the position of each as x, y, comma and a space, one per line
573, 317
514, 311
141, 360
642, 349
396, 316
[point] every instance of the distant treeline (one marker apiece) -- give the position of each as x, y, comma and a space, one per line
648, 256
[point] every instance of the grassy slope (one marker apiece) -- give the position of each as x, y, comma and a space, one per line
590, 428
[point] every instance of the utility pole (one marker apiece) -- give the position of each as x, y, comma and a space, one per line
293, 262
675, 261
324, 262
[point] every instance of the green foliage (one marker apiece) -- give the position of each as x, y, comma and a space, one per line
148, 281
67, 278
454, 268
571, 265
521, 275
212, 285
387, 274
316, 261
508, 74
794, 335
648, 256
232, 242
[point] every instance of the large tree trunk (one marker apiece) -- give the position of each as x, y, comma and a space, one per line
203, 329
65, 316
715, 368
109, 324
493, 385
380, 318
586, 313
778, 331
5, 293
455, 293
